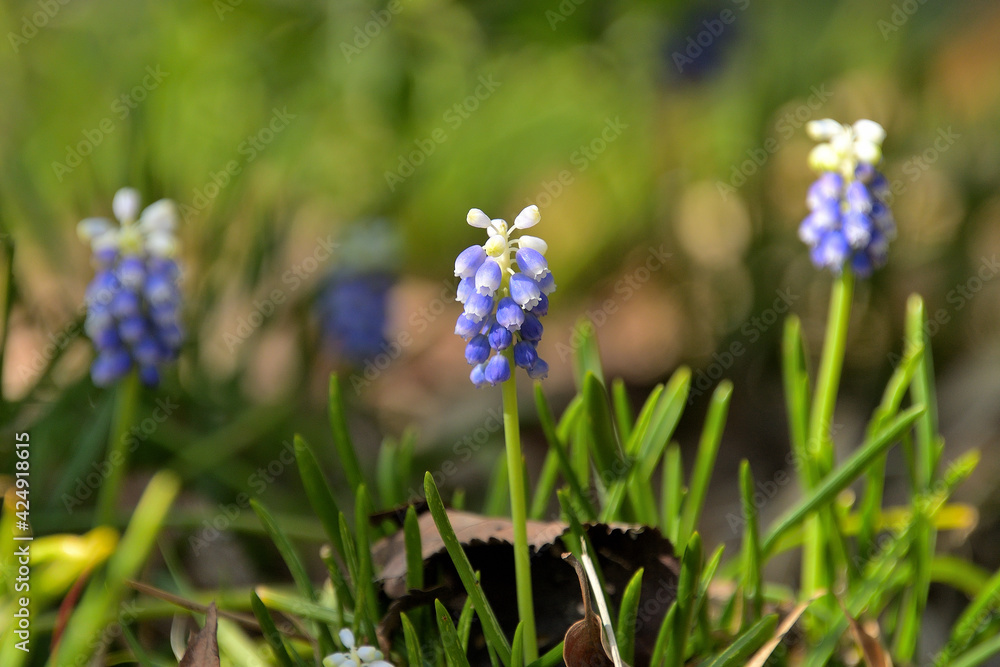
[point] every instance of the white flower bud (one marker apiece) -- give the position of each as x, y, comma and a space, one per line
823, 130
533, 242
477, 218
160, 216
126, 204
870, 131
528, 217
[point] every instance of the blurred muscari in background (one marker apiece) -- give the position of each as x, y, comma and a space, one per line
662, 142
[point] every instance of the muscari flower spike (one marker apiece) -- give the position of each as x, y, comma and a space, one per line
356, 656
133, 302
849, 221
352, 303
502, 303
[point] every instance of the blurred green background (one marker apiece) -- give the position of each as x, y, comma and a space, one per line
668, 130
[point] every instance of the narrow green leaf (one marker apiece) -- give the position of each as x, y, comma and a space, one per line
414, 655
385, 473
587, 358
755, 636
672, 492
366, 569
517, 647
449, 637
342, 437
551, 659
664, 636
977, 655
344, 599
318, 492
796, 385
627, 616
664, 421
752, 580
543, 489
687, 587
600, 425
414, 550
270, 632
708, 449
298, 571
491, 627
465, 623
623, 408
841, 478
557, 444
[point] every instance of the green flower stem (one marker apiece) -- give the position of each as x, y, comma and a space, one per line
820, 443
819, 446
519, 512
126, 403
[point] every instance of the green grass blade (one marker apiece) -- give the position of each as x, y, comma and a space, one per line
270, 632
414, 656
342, 437
102, 597
623, 408
607, 452
385, 473
465, 624
557, 444
664, 421
491, 627
414, 550
796, 385
551, 659
449, 637
366, 569
672, 492
517, 647
979, 654
587, 358
295, 567
543, 489
318, 492
687, 588
752, 580
748, 642
627, 616
841, 478
708, 449
663, 636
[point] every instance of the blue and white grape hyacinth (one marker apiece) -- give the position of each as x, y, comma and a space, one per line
133, 302
502, 305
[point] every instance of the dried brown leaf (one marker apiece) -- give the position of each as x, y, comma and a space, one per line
203, 649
